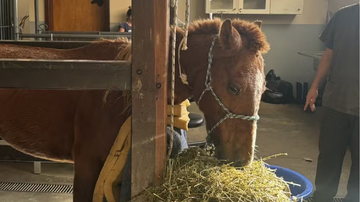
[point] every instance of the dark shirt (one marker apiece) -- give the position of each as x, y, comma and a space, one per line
125, 26
342, 36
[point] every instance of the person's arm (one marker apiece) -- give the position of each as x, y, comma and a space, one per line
122, 27
327, 37
323, 68
322, 72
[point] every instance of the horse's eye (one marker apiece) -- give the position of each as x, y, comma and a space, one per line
234, 89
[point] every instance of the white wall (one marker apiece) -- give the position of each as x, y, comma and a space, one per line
314, 13
118, 10
23, 10
32, 10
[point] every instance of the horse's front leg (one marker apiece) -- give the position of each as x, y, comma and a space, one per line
96, 127
87, 170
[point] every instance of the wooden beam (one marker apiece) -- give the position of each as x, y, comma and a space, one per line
65, 74
149, 95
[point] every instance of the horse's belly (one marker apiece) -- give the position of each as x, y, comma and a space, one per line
31, 145
39, 123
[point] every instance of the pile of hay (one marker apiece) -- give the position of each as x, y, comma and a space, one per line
196, 176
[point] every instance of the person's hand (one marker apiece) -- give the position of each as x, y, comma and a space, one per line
311, 99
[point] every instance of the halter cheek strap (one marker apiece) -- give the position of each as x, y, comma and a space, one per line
208, 80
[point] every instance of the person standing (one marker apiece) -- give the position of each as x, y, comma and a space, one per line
340, 123
127, 26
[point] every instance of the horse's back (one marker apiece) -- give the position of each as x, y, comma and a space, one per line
29, 52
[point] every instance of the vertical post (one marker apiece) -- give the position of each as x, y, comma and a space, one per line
37, 167
2, 32
36, 6
15, 20
150, 43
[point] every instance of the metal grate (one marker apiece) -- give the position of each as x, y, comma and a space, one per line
6, 19
35, 187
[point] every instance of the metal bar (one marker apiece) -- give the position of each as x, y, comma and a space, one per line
1, 20
65, 74
149, 100
312, 54
48, 44
15, 20
37, 167
87, 36
7, 26
7, 18
36, 5
7, 33
95, 33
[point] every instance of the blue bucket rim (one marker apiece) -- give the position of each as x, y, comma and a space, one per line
308, 185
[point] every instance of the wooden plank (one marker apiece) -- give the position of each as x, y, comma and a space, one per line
150, 57
80, 15
65, 74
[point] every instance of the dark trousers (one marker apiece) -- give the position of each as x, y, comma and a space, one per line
339, 132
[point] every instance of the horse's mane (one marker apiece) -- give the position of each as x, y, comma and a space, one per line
254, 35
123, 47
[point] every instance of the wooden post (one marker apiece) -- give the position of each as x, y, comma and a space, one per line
150, 43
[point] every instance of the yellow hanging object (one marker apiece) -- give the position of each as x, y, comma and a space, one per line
180, 122
179, 110
181, 115
111, 174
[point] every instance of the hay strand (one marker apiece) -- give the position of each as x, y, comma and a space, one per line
195, 175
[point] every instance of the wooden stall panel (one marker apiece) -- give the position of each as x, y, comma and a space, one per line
149, 83
77, 15
65, 74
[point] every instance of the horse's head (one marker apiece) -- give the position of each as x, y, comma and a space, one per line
234, 81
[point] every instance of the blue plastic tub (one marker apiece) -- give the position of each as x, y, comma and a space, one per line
302, 192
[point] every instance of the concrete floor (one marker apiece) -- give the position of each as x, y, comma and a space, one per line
282, 128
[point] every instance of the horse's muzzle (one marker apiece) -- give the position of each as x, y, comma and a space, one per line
237, 162
242, 163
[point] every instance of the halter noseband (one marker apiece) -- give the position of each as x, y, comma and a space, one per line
229, 114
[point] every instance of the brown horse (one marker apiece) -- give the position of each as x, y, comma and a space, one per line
224, 66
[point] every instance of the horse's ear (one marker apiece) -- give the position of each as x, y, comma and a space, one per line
230, 38
258, 23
